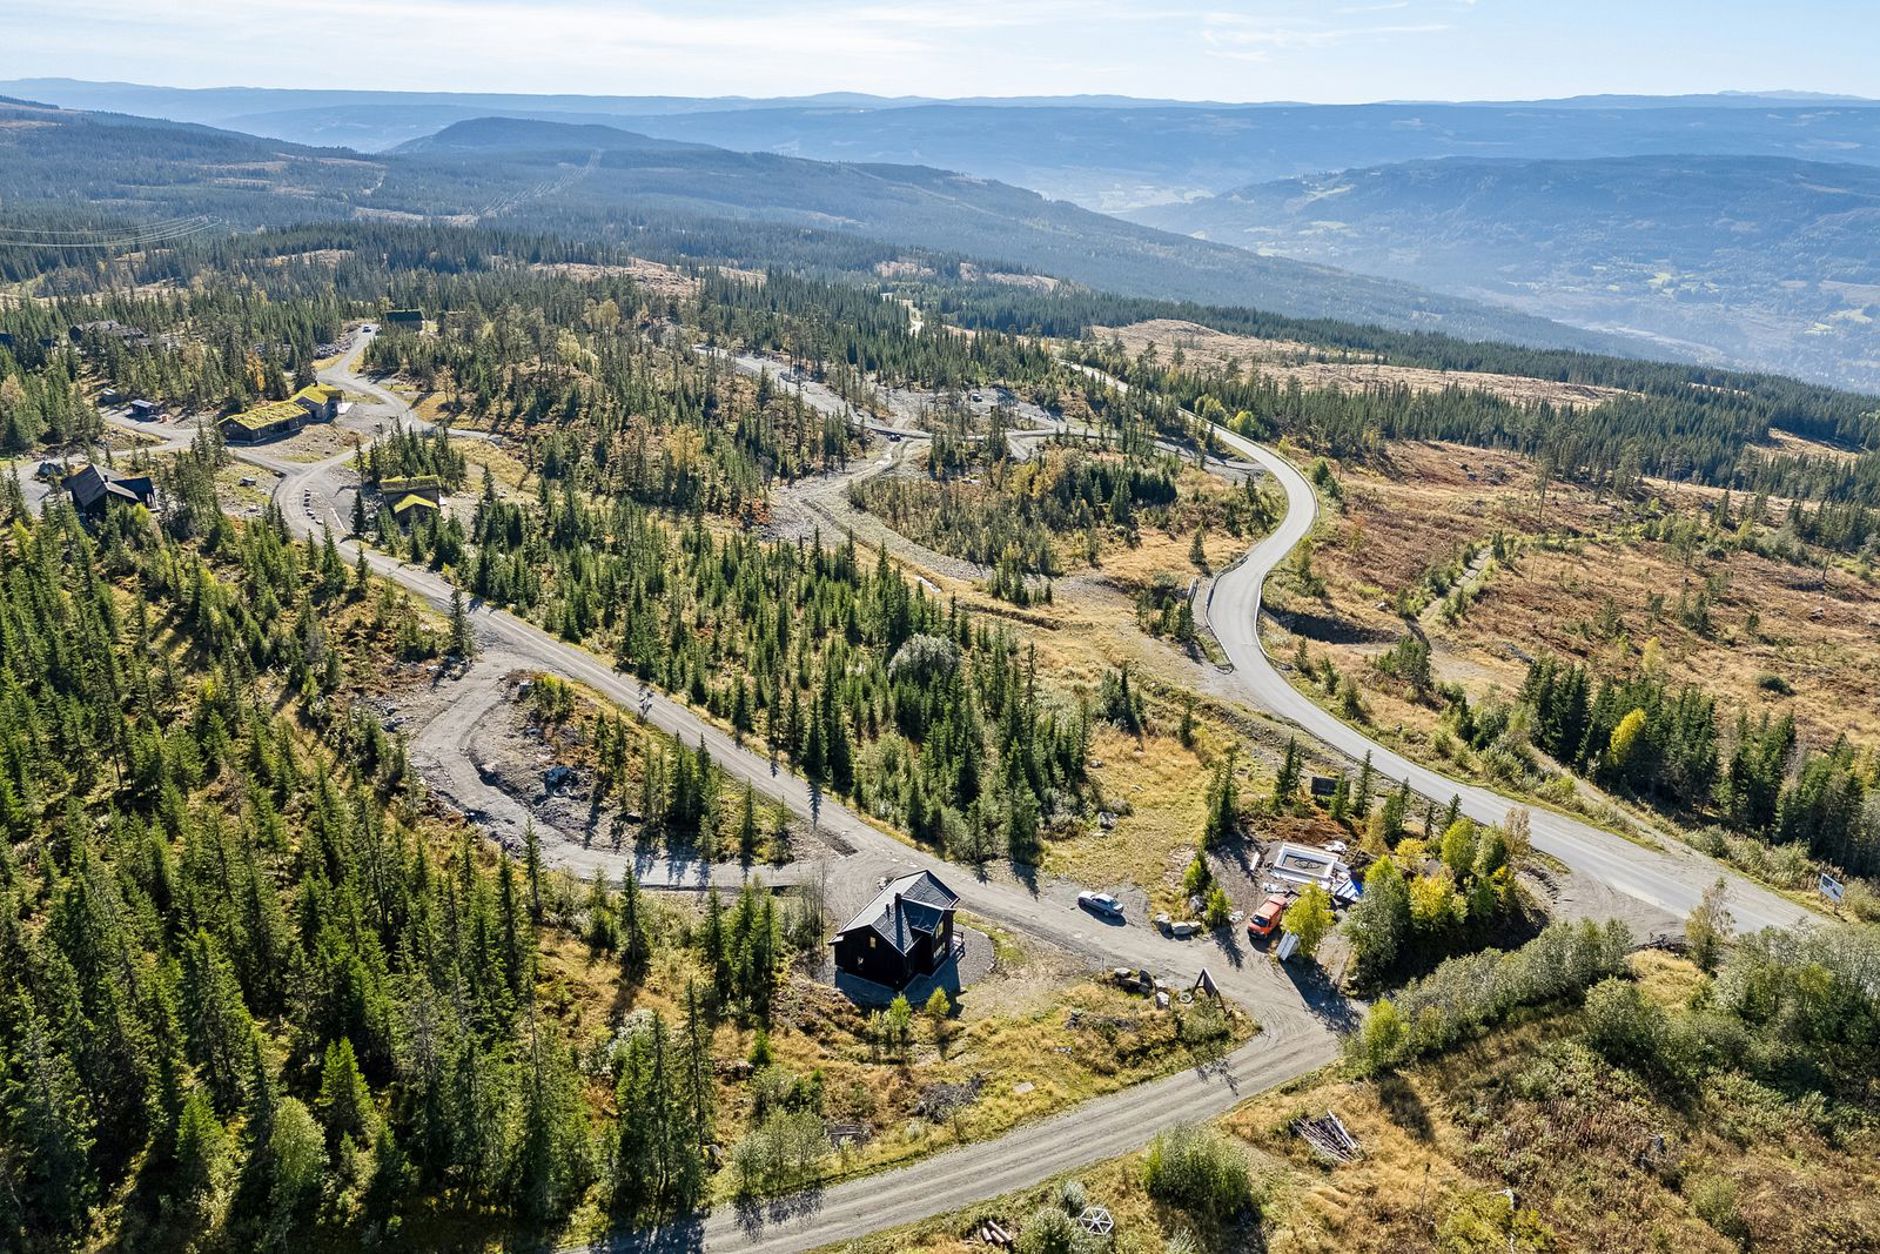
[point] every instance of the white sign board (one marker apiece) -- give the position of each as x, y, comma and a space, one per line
1831, 888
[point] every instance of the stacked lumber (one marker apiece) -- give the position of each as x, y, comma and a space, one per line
1328, 1137
992, 1232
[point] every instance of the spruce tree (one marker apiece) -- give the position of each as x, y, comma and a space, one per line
463, 645
634, 939
1223, 820
1286, 782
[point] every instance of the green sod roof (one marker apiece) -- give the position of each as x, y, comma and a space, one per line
416, 483
268, 415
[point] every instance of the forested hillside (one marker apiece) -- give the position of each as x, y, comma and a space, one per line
106, 170
255, 994
1763, 260
863, 679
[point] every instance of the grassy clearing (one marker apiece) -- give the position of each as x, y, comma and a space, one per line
1158, 790
243, 498
1316, 367
1595, 1160
317, 442
1007, 1037
1586, 583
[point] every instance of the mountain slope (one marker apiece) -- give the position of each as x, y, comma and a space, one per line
1114, 160
1765, 260
942, 210
601, 182
1104, 153
534, 137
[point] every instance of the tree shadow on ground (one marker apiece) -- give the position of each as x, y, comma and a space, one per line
1233, 953
1403, 1106
1027, 874
1323, 1000
755, 1213
683, 1235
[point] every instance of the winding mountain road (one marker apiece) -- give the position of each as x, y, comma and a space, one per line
1668, 878
1299, 1024
1671, 878
1299, 1021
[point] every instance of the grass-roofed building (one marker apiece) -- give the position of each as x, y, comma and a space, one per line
264, 422
320, 400
410, 498
317, 402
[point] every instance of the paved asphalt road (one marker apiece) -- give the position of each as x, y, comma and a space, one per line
1671, 879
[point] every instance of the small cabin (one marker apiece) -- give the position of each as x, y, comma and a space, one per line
904, 933
95, 490
320, 400
264, 422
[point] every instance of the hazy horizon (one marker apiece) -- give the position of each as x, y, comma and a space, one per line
1250, 53
1799, 96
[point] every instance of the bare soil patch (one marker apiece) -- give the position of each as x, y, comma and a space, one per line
656, 277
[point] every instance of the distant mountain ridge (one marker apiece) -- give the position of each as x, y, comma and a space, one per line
1768, 260
535, 137
1107, 153
594, 182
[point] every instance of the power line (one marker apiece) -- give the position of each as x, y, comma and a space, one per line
163, 232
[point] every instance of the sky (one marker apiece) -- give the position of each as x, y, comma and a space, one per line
1332, 51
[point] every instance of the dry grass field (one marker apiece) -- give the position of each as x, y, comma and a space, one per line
1583, 581
660, 280
1287, 360
1594, 1160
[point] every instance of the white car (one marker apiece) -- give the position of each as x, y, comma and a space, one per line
1101, 903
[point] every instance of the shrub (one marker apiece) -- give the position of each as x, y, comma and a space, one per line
1218, 907
1713, 1200
1197, 878
1379, 1044
1467, 993
782, 1155
1204, 1028
1621, 1025
1200, 1171
1489, 1223
551, 698
1049, 1231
